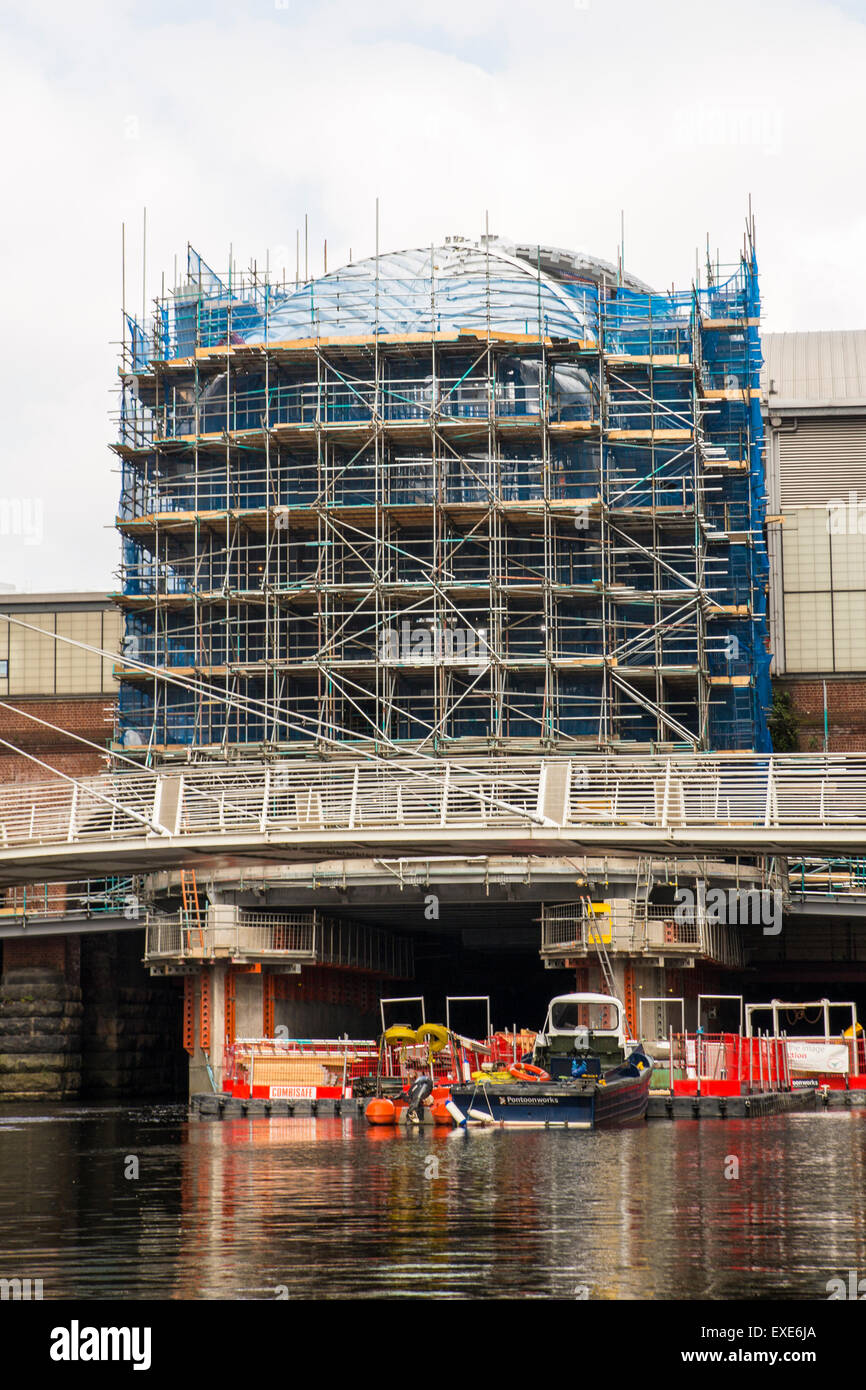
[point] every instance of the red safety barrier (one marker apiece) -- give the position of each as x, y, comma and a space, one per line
728, 1064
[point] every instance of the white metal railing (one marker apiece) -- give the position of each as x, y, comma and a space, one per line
654, 928
304, 937
743, 792
563, 927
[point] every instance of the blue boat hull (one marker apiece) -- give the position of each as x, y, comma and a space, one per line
620, 1098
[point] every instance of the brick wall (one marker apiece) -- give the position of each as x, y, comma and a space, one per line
846, 707
48, 952
90, 718
61, 953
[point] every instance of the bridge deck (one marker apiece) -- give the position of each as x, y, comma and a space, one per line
300, 809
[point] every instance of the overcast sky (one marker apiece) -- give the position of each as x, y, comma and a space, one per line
231, 119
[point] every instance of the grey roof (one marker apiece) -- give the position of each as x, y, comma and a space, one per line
562, 264
62, 599
811, 370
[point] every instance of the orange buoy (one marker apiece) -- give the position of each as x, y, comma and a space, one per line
525, 1071
441, 1114
381, 1111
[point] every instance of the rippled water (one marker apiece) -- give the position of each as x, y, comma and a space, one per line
247, 1208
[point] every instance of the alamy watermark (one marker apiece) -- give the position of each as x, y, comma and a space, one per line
77, 1343
428, 644
22, 516
741, 907
847, 518
20, 1290
720, 127
853, 1288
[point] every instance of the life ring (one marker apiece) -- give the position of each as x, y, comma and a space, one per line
525, 1071
434, 1035
399, 1035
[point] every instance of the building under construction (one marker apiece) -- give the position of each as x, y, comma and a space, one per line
483, 500
475, 496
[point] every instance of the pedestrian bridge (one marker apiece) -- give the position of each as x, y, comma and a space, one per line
296, 809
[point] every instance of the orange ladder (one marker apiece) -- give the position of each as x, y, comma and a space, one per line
191, 908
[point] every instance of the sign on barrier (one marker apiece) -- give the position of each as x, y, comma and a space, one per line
818, 1056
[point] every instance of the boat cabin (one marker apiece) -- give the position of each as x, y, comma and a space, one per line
581, 1028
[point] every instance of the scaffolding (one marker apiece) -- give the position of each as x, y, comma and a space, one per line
453, 497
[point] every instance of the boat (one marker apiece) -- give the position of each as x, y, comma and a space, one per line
583, 1073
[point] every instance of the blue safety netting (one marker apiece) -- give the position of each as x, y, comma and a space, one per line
651, 422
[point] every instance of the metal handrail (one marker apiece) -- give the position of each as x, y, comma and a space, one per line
800, 792
307, 937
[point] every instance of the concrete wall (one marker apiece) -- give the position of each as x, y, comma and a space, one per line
40, 1020
80, 1016
249, 1006
131, 1024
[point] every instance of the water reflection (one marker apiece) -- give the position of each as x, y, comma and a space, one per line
246, 1208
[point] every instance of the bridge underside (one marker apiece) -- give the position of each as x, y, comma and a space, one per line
151, 853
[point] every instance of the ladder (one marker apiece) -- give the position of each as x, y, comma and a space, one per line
601, 949
191, 908
642, 889
604, 961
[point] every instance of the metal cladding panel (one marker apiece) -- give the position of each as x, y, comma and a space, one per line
112, 631
808, 632
848, 559
32, 656
77, 669
822, 461
814, 369
806, 551
849, 631
824, 572
39, 664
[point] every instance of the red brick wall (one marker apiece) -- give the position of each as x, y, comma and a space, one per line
90, 718
846, 709
61, 953
49, 952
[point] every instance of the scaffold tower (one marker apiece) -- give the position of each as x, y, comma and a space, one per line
471, 496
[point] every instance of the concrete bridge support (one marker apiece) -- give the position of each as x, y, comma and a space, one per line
40, 1020
228, 1002
80, 1016
131, 1033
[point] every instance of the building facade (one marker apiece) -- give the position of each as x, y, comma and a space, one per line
52, 687
815, 403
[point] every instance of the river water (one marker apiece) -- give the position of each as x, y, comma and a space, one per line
260, 1209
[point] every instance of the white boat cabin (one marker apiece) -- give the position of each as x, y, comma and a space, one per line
583, 1023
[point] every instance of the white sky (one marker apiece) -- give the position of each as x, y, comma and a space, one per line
229, 119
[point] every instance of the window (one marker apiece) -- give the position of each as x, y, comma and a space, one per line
597, 1017
4, 670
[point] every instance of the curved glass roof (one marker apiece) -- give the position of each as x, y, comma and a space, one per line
459, 286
